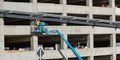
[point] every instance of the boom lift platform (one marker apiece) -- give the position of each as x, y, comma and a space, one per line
42, 30
59, 18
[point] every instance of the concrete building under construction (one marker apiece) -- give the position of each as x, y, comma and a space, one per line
17, 42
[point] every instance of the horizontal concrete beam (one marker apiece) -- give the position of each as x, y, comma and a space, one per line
83, 52
118, 50
18, 6
18, 55
25, 30
17, 30
103, 30
53, 8
103, 51
117, 11
102, 10
54, 54
83, 29
57, 8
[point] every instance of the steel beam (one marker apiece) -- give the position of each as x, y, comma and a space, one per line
59, 18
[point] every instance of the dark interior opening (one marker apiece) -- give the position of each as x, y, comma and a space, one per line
118, 56
17, 43
102, 57
49, 42
78, 41
117, 3
49, 1
77, 2
117, 18
49, 23
101, 3
104, 17
101, 40
17, 0
77, 15
118, 40
15, 21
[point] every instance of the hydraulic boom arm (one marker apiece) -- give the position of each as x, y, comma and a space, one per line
66, 41
42, 30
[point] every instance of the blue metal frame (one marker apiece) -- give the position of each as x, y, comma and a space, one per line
42, 30
40, 27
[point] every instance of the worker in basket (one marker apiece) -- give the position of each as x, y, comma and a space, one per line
37, 22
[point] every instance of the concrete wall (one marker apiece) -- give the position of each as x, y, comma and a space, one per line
57, 8
17, 55
54, 54
17, 30
89, 10
25, 30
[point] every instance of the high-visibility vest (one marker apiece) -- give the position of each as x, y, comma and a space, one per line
37, 22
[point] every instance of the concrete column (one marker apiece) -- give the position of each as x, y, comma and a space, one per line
34, 43
91, 43
63, 2
112, 3
33, 1
1, 3
90, 15
34, 8
34, 38
1, 34
91, 38
63, 44
89, 3
113, 18
113, 44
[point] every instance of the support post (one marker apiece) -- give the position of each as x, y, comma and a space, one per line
113, 36
91, 35
34, 8
1, 35
113, 45
33, 1
64, 2
89, 3
91, 43
34, 45
34, 42
63, 44
1, 3
112, 3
